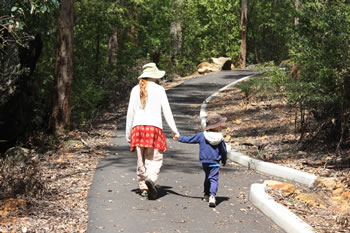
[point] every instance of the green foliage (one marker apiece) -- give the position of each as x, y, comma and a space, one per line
317, 46
278, 77
89, 97
246, 88
210, 29
259, 86
95, 80
21, 22
21, 14
270, 26
321, 51
318, 84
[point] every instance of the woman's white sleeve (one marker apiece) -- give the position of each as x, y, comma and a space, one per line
168, 115
129, 117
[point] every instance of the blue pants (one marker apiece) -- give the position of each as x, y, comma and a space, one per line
211, 180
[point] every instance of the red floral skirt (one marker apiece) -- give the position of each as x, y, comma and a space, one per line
148, 136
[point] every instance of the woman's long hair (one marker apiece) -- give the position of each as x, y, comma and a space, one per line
143, 92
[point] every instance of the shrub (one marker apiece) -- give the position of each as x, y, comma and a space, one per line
20, 174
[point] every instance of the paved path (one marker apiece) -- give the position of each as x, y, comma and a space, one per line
115, 206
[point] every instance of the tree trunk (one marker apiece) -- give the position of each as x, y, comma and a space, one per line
176, 28
61, 112
112, 48
297, 6
97, 55
176, 33
243, 53
344, 112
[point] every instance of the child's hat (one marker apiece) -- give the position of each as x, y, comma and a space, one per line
150, 70
214, 120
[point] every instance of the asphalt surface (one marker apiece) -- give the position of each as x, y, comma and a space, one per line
116, 206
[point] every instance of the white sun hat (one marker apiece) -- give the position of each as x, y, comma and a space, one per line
150, 70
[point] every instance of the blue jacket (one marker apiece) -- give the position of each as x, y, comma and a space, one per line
208, 153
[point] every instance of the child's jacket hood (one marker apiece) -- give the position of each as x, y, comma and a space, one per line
214, 138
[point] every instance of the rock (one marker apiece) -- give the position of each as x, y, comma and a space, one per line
222, 63
327, 182
341, 205
346, 196
205, 67
307, 199
343, 220
286, 188
269, 183
314, 199
340, 185
215, 65
18, 153
338, 191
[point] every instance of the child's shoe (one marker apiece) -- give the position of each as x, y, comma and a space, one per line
152, 190
205, 198
212, 201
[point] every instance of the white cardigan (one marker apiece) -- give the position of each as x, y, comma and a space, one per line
157, 101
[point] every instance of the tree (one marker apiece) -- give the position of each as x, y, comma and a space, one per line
270, 29
322, 53
244, 18
61, 111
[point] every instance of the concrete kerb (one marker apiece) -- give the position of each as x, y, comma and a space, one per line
203, 114
271, 168
278, 213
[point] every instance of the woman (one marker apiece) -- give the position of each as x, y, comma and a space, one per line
144, 127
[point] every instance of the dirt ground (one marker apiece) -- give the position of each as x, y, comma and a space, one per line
264, 129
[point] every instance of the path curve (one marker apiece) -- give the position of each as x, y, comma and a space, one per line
114, 205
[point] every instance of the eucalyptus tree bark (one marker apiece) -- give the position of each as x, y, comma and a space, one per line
297, 6
243, 52
61, 112
344, 113
176, 30
112, 48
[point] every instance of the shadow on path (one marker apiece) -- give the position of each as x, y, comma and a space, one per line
166, 190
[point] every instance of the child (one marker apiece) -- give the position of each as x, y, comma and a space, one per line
212, 149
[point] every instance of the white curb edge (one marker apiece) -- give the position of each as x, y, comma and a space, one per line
203, 114
271, 168
277, 212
